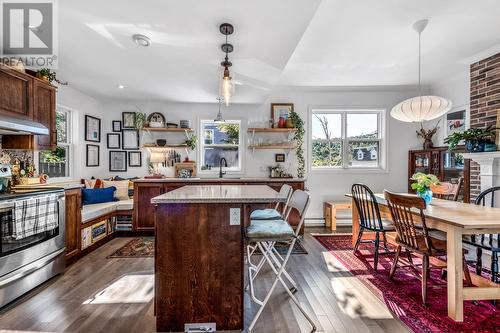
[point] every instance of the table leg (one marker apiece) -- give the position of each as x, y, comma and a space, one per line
455, 274
355, 223
333, 220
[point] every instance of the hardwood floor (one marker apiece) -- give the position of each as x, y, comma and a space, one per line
97, 294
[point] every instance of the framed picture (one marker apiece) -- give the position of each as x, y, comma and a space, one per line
117, 161
134, 158
130, 139
456, 121
113, 141
92, 159
279, 158
92, 129
280, 112
128, 120
117, 126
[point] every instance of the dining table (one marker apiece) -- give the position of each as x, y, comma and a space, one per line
456, 219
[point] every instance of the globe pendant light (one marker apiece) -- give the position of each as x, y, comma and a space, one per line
421, 108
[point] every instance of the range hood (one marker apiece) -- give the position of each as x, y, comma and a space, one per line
14, 126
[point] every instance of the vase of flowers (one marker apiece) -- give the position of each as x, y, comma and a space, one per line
422, 185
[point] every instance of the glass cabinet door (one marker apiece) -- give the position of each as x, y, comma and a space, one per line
421, 162
453, 166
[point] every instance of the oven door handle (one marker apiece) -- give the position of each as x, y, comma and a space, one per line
30, 268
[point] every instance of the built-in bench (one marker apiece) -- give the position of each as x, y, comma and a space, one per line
100, 210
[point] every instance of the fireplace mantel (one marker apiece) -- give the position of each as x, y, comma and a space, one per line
489, 163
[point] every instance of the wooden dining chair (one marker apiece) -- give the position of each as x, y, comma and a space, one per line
489, 242
370, 219
448, 191
413, 236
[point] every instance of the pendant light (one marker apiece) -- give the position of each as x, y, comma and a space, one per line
421, 108
227, 82
219, 118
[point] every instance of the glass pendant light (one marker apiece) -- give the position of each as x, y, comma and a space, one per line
227, 82
421, 108
219, 118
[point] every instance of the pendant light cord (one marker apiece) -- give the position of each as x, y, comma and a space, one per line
419, 60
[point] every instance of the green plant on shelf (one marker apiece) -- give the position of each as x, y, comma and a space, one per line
487, 134
191, 142
298, 123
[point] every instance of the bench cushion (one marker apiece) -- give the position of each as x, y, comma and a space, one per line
125, 204
90, 212
265, 214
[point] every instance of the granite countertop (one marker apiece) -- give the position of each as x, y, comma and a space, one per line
220, 194
219, 180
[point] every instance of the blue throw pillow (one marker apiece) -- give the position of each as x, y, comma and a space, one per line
98, 195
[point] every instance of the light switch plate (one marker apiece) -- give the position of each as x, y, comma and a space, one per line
234, 216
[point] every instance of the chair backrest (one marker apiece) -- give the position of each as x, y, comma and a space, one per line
448, 191
408, 234
285, 191
367, 207
481, 200
299, 201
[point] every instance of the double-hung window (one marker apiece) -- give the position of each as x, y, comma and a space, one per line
221, 139
56, 163
347, 139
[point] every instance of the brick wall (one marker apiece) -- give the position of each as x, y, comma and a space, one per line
484, 103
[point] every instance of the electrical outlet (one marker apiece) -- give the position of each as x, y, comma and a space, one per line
234, 216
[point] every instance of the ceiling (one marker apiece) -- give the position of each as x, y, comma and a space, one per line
306, 43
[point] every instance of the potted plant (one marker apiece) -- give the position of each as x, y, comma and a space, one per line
49, 76
476, 139
298, 123
422, 185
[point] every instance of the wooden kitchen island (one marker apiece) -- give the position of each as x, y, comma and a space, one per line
199, 268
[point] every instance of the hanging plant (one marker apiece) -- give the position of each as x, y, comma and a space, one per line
298, 123
140, 119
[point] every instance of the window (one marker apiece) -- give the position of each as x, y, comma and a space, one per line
57, 163
346, 139
221, 140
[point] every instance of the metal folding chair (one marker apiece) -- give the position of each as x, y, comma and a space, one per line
264, 235
270, 213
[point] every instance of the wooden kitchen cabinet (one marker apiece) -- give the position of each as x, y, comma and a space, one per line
24, 96
45, 114
16, 93
144, 219
73, 221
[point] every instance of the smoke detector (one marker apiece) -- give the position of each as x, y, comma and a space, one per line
141, 40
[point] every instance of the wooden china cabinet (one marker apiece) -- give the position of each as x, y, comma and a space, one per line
447, 165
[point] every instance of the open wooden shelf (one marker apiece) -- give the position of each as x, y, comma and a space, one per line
273, 146
156, 147
271, 130
166, 129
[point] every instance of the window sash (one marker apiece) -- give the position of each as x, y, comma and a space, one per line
204, 146
344, 140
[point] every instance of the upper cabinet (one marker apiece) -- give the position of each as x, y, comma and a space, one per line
45, 114
16, 92
24, 96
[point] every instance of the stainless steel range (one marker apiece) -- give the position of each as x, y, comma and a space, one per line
30, 254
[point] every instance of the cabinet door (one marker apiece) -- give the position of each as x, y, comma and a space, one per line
45, 113
15, 94
144, 211
73, 221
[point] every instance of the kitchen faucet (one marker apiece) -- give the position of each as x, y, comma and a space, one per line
222, 159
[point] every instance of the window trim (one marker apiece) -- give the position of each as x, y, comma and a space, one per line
72, 129
241, 148
344, 168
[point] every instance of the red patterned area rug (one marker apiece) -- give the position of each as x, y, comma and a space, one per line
140, 247
403, 295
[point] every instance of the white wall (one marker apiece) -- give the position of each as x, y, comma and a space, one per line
81, 105
457, 89
324, 186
